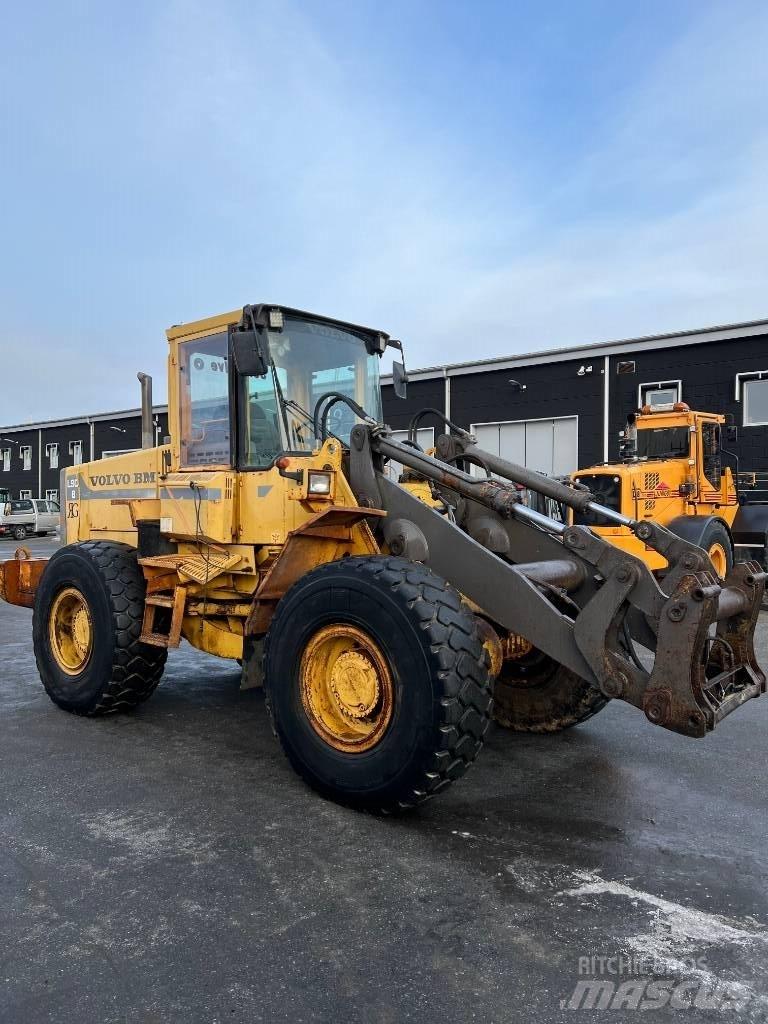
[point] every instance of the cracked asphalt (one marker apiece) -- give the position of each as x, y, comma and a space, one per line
167, 865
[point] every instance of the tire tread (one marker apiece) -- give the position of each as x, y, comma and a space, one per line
457, 658
136, 667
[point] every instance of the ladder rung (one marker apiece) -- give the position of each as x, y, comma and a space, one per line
159, 601
154, 639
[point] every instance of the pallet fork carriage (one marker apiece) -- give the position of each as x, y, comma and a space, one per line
382, 616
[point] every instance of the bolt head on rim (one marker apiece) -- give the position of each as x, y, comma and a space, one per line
346, 688
70, 631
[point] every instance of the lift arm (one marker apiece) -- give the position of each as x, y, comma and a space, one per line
697, 632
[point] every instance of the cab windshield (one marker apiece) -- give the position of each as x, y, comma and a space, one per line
309, 359
663, 443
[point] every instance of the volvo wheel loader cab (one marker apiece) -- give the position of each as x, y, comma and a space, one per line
375, 613
676, 470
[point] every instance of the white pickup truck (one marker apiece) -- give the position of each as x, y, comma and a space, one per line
27, 516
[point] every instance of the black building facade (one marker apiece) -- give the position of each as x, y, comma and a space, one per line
33, 455
580, 397
556, 410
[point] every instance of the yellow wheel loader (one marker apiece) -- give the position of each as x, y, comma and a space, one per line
377, 614
673, 471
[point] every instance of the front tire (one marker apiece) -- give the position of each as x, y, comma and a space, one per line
86, 625
377, 682
716, 541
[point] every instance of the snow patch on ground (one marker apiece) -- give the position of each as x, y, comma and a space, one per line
149, 838
678, 937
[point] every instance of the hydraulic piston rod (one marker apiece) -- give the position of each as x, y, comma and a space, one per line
492, 493
611, 514
571, 496
581, 500
561, 572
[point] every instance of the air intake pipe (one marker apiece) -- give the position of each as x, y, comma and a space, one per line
147, 429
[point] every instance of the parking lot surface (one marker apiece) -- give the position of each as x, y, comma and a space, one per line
167, 865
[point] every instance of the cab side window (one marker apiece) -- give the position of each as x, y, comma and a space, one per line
205, 439
710, 449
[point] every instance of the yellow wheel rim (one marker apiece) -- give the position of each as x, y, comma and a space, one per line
346, 688
70, 631
718, 558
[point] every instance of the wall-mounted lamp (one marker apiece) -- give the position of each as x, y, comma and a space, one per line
11, 440
120, 430
518, 385
584, 370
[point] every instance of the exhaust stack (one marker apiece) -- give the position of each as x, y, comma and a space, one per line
147, 429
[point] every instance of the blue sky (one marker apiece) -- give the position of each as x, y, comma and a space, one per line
477, 178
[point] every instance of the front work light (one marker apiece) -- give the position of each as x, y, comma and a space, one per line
319, 483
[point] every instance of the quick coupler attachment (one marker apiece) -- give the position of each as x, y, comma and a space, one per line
705, 665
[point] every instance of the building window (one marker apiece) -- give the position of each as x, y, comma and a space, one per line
6, 460
25, 451
76, 451
52, 451
755, 394
660, 392
51, 495
24, 495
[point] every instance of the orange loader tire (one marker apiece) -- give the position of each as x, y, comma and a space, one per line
716, 541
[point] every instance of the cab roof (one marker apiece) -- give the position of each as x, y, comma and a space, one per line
198, 328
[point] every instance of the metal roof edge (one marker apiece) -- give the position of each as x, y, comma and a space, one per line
592, 350
71, 421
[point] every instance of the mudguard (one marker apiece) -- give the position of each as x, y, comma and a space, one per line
691, 528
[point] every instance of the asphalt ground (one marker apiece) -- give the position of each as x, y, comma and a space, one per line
167, 865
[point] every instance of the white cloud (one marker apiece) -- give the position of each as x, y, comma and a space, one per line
235, 159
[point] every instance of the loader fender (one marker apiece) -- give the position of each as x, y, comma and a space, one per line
693, 528
710, 533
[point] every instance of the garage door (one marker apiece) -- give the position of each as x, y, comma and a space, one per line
549, 446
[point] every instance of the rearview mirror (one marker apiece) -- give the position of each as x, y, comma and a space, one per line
399, 379
247, 353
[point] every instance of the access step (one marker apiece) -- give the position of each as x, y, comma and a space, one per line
175, 602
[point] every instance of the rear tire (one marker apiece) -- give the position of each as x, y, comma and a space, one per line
407, 699
537, 694
20, 532
86, 625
